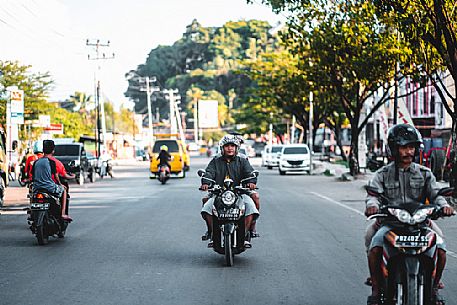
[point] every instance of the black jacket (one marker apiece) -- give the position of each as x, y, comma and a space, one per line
163, 157
237, 169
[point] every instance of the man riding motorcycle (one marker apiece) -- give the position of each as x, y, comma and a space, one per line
46, 176
164, 156
402, 179
229, 165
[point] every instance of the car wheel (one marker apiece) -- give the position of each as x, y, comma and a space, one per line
81, 178
270, 167
282, 173
92, 176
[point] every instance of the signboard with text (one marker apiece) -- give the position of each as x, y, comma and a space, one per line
54, 129
208, 115
17, 106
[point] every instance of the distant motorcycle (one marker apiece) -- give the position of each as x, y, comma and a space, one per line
409, 251
228, 217
164, 173
106, 169
23, 179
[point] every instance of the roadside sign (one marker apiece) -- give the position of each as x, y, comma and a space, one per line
17, 106
208, 114
54, 129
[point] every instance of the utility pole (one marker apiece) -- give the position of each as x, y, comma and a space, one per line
170, 95
196, 121
310, 128
149, 90
96, 44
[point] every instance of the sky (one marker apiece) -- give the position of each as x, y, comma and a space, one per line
51, 36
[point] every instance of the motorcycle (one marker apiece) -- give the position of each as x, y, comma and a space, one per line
409, 250
106, 169
23, 179
228, 230
164, 173
45, 218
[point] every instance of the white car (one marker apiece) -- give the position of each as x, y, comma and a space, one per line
294, 158
270, 156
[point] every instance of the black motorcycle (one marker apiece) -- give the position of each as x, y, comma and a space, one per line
228, 232
409, 251
164, 173
45, 218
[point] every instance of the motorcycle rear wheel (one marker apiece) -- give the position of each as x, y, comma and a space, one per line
228, 250
41, 235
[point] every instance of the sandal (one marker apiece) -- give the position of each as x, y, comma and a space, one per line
368, 281
254, 234
374, 300
67, 218
210, 244
437, 298
206, 236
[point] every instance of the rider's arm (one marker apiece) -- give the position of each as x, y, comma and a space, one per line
210, 172
377, 183
432, 190
246, 170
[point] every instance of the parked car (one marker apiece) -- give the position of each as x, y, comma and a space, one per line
74, 158
270, 156
294, 158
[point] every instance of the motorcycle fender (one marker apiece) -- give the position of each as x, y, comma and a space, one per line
228, 228
412, 265
38, 217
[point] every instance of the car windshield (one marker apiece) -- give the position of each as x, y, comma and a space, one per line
66, 150
295, 150
276, 149
171, 144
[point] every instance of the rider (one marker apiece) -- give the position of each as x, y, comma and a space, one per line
405, 179
45, 176
228, 165
164, 156
37, 154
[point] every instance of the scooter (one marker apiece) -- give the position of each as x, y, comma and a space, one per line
164, 173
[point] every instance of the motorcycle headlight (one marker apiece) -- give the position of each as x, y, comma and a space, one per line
228, 198
402, 215
421, 215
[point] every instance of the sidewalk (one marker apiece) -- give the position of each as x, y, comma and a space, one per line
15, 196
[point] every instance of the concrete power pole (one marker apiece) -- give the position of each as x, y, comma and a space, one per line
100, 107
170, 95
149, 91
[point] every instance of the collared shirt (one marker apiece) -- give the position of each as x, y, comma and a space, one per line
415, 183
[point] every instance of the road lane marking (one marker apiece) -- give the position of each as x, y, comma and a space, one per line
338, 203
449, 252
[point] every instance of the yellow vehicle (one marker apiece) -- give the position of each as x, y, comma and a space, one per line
177, 158
186, 156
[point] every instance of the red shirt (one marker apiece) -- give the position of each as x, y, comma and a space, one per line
29, 163
59, 167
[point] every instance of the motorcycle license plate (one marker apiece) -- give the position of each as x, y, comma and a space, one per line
230, 214
39, 206
411, 241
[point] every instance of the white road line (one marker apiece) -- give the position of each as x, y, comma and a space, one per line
337, 203
449, 252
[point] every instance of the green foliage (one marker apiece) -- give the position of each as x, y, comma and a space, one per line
204, 58
74, 124
35, 85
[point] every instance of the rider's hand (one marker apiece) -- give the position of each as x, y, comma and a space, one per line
371, 210
251, 186
204, 187
448, 211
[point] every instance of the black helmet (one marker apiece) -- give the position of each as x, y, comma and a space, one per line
401, 135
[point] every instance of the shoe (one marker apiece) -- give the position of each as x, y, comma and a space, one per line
210, 244
254, 234
206, 236
368, 281
247, 244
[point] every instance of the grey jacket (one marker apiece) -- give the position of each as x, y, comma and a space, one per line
413, 184
237, 169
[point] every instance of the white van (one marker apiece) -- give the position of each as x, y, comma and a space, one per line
294, 158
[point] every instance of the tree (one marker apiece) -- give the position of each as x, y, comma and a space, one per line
430, 28
35, 85
348, 47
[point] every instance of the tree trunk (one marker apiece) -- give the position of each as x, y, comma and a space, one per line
339, 143
354, 153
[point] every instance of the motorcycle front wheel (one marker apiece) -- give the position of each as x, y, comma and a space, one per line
228, 250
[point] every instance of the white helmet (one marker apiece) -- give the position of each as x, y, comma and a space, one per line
229, 139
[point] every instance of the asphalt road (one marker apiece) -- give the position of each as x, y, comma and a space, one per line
135, 241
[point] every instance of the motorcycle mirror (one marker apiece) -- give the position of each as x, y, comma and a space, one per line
201, 172
446, 191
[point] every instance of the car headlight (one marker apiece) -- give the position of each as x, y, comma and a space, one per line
228, 198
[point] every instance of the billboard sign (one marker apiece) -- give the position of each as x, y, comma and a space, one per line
208, 115
17, 106
54, 129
